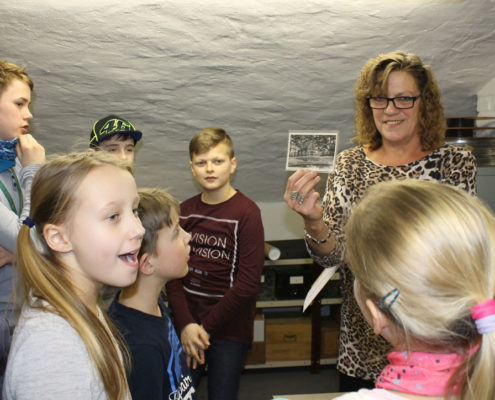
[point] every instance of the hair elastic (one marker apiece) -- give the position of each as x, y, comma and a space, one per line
28, 222
484, 316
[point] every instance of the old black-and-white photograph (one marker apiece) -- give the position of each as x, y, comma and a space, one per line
312, 149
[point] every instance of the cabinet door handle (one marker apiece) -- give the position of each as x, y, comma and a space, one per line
290, 338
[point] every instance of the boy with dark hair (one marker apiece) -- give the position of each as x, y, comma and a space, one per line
115, 135
158, 365
216, 301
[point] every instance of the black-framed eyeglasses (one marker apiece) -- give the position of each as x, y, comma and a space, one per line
400, 102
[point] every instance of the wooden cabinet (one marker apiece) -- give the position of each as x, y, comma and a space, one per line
287, 338
284, 336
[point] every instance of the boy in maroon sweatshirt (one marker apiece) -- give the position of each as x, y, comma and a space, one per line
214, 304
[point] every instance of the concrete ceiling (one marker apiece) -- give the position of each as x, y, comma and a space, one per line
256, 68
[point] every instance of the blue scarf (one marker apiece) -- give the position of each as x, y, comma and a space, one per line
8, 153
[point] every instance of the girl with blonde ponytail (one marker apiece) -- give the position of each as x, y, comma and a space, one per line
83, 232
423, 257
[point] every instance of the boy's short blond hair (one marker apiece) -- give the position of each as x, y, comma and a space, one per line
207, 138
9, 72
155, 211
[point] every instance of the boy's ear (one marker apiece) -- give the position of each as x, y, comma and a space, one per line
380, 322
56, 238
91, 150
233, 166
145, 265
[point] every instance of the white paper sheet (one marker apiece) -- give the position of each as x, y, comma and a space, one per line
318, 284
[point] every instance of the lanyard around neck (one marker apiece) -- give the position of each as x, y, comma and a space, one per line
9, 197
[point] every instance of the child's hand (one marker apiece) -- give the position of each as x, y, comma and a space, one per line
205, 337
29, 150
192, 362
6, 257
194, 341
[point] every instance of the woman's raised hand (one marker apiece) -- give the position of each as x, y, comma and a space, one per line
301, 196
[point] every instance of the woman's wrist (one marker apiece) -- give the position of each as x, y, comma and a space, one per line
318, 235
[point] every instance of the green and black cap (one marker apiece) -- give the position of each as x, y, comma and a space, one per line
109, 126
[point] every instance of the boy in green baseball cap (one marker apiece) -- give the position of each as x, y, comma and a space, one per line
115, 135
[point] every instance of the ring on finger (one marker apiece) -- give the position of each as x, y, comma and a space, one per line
301, 199
294, 194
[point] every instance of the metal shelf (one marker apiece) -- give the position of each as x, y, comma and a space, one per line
289, 261
296, 254
293, 303
296, 363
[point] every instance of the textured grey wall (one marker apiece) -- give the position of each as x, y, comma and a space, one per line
256, 68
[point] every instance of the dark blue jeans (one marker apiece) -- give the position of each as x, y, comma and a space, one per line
225, 362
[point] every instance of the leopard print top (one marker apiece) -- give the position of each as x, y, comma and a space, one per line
362, 354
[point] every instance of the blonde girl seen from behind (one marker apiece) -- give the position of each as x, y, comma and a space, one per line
423, 255
83, 232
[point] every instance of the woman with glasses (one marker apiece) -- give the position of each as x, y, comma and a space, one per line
400, 130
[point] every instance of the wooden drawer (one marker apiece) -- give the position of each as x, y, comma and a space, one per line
256, 354
330, 341
288, 339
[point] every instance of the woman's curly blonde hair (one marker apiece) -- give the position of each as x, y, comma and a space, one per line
373, 82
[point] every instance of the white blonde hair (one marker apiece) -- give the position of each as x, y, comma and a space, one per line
435, 244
